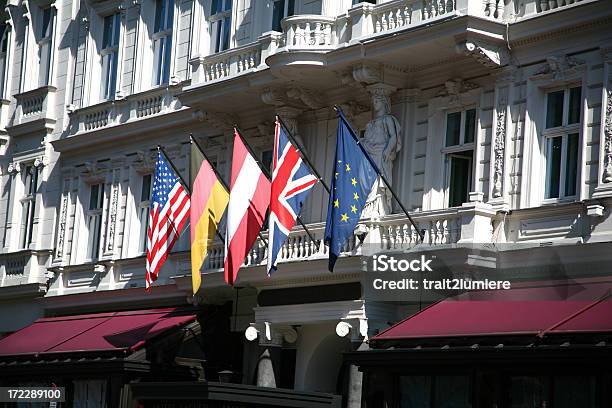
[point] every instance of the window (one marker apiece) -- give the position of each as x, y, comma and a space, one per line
109, 54
94, 220
561, 142
556, 391
162, 41
220, 24
435, 391
4, 45
143, 211
364, 1
459, 154
45, 45
280, 10
28, 205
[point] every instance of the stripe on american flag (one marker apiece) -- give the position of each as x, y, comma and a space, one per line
169, 212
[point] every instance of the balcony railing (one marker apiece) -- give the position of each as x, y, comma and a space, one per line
310, 32
18, 268
34, 105
134, 107
227, 64
324, 33
469, 224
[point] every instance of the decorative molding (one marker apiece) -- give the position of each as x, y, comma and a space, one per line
308, 97
560, 67
61, 232
368, 73
40, 162
145, 162
499, 148
220, 120
607, 171
275, 97
489, 55
112, 218
94, 174
453, 89
13, 168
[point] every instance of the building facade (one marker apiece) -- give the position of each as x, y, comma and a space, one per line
505, 138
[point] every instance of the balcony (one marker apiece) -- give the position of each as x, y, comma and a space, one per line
306, 39
131, 109
23, 267
469, 224
34, 111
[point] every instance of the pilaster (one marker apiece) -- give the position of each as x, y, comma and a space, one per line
604, 174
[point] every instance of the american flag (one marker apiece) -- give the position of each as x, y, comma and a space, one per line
291, 183
169, 211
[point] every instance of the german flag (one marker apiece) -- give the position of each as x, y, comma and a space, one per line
209, 199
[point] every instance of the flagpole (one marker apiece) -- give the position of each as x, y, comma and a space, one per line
303, 155
384, 179
185, 184
266, 172
192, 140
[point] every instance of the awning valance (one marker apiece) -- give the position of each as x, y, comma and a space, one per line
536, 309
113, 331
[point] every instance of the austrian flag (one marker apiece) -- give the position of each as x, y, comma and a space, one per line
246, 211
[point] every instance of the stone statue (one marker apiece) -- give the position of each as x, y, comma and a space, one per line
382, 140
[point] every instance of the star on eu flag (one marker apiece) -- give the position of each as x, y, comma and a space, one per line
352, 180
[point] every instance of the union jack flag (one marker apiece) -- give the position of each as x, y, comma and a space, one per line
169, 210
291, 183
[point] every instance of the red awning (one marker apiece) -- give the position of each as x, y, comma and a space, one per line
93, 332
536, 310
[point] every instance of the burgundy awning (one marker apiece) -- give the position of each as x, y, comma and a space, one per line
113, 331
536, 310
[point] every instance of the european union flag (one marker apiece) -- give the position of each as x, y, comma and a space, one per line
351, 184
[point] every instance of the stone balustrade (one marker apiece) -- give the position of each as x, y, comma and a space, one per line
230, 63
469, 224
18, 268
35, 105
310, 32
134, 107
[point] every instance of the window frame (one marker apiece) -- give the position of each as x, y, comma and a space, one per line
564, 131
285, 14
30, 184
5, 39
143, 213
106, 51
164, 37
94, 241
45, 39
220, 18
452, 151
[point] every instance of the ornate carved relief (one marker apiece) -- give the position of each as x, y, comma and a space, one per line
454, 87
306, 96
112, 217
219, 120
489, 55
275, 97
607, 172
560, 67
93, 173
500, 145
368, 73
13, 168
61, 233
145, 162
